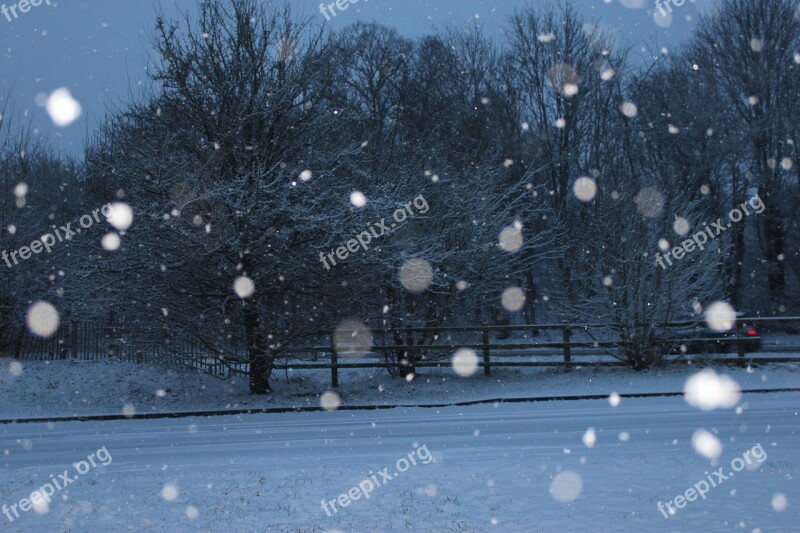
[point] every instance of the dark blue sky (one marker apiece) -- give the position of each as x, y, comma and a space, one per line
98, 48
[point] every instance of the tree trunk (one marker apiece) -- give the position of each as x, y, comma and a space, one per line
530, 302
734, 265
260, 363
773, 234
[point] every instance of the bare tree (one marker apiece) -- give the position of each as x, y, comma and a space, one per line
747, 50
565, 77
212, 169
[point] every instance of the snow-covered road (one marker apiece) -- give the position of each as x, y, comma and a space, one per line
495, 468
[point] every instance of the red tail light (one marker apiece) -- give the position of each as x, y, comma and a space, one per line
752, 333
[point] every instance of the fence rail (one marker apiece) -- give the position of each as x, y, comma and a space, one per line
93, 341
740, 343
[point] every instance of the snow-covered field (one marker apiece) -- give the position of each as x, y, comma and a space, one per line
504, 467
30, 389
495, 467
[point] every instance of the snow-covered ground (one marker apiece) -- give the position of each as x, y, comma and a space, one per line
504, 467
30, 389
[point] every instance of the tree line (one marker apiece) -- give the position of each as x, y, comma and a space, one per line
551, 161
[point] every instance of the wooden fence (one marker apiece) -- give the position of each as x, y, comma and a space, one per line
417, 355
571, 345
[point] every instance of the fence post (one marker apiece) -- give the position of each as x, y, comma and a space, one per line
410, 355
567, 351
740, 348
73, 339
487, 370
334, 364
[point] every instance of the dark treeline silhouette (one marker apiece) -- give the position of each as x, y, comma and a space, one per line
249, 101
